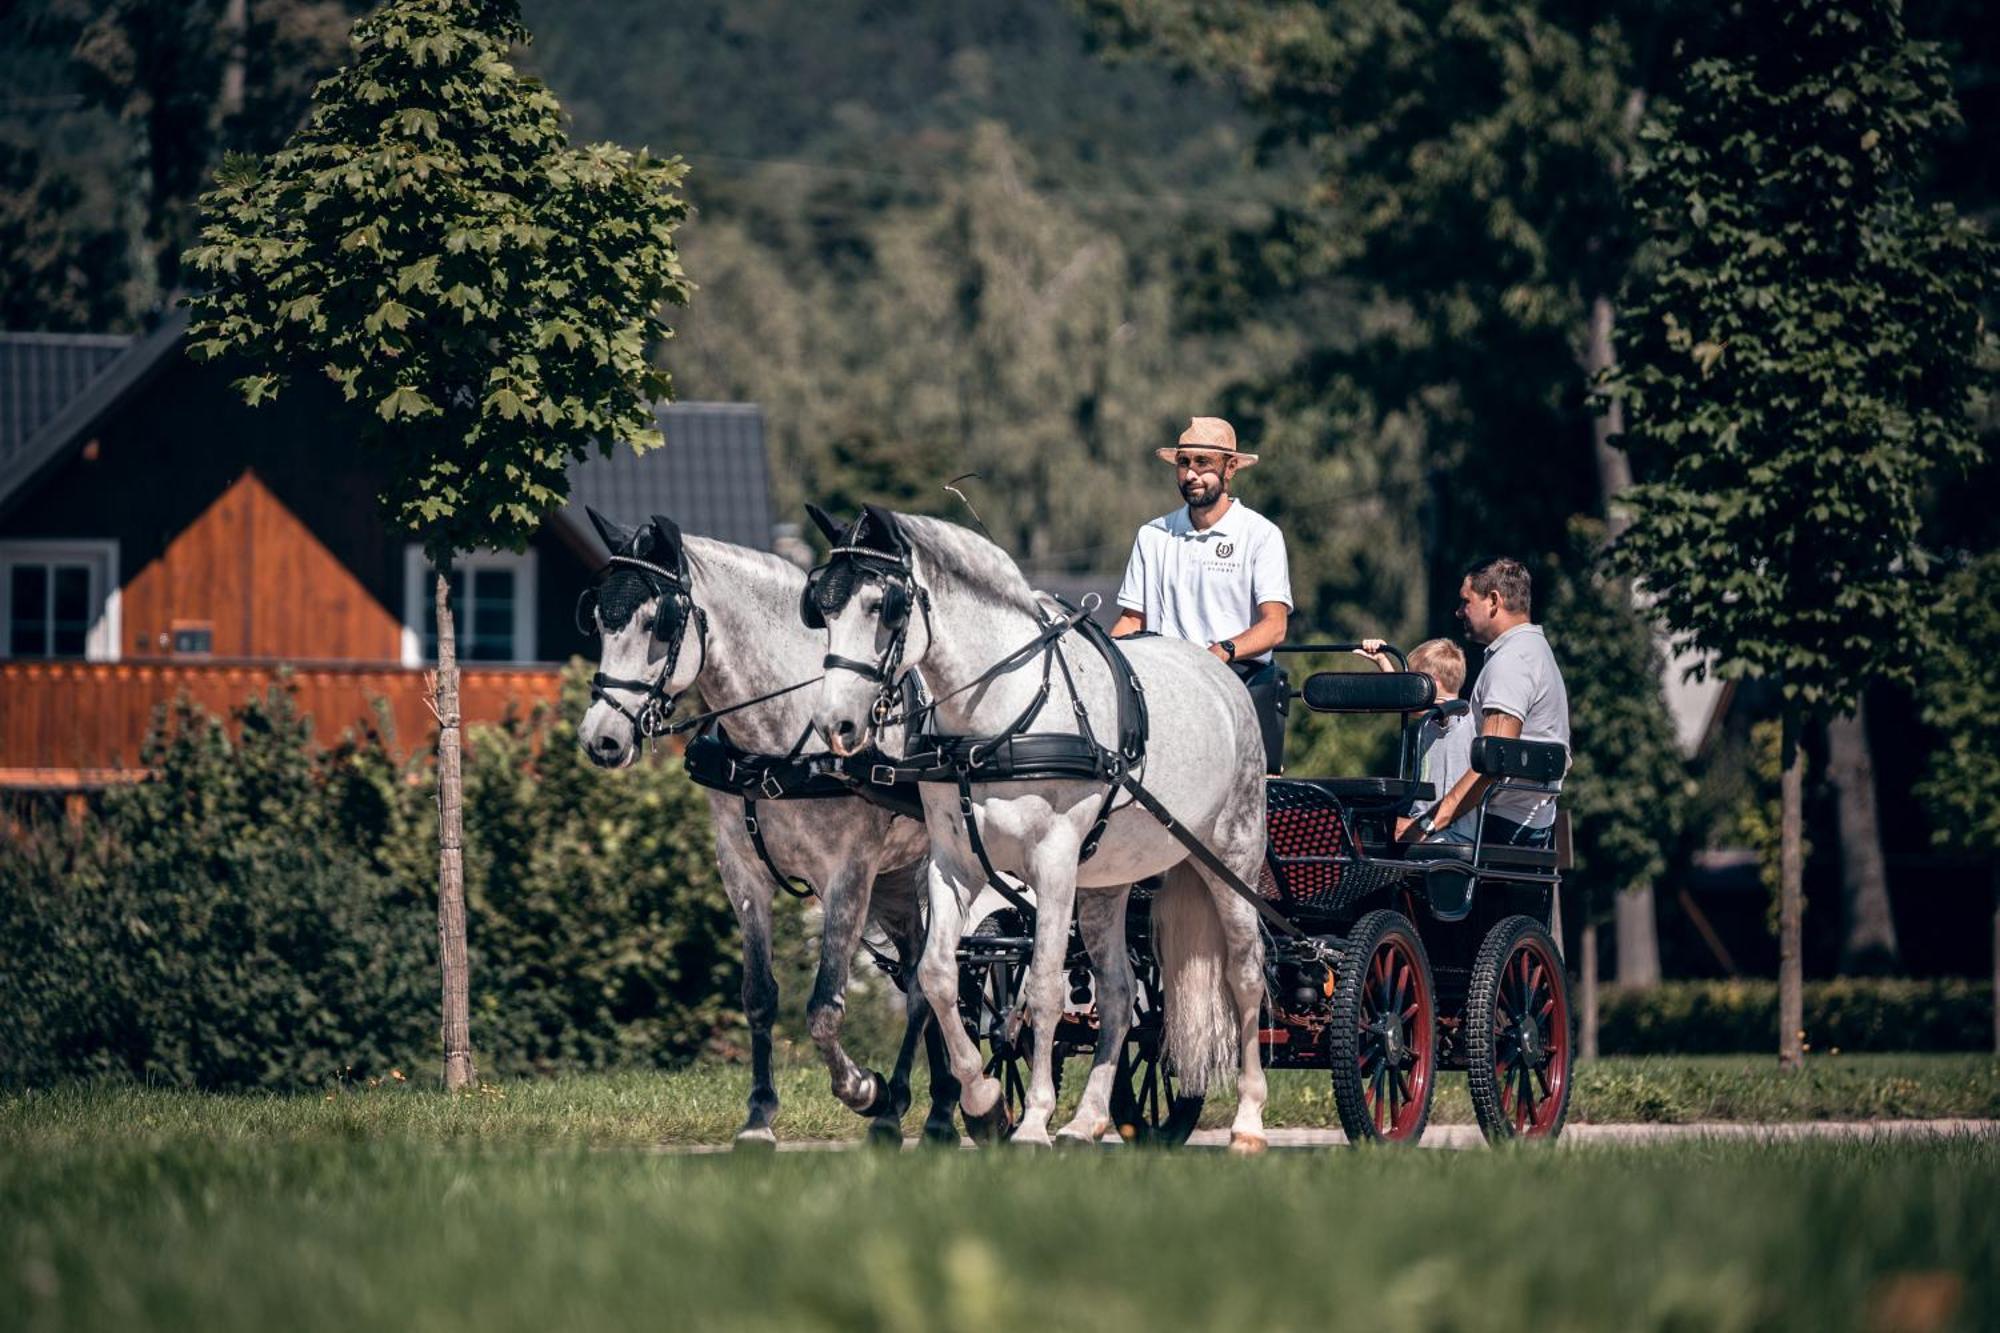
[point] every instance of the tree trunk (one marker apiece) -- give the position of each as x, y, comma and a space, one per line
1614, 470
235, 29
1638, 937
458, 1069
1587, 965
1996, 957
1868, 931
1791, 876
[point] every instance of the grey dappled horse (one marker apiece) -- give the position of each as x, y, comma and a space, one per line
969, 608
737, 635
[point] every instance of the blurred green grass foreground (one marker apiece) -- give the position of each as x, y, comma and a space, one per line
541, 1204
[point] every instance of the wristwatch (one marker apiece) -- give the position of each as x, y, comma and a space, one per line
1228, 646
1427, 825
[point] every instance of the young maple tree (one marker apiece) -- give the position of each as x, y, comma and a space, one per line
430, 240
1805, 348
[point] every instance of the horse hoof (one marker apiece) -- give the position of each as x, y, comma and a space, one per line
761, 1139
1247, 1145
886, 1134
1036, 1142
992, 1128
941, 1133
881, 1098
1076, 1138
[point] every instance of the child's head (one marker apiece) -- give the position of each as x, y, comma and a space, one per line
1443, 661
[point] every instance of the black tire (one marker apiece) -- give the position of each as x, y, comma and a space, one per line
1382, 1044
1520, 1038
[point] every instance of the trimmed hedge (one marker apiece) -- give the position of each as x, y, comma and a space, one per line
1725, 1017
261, 913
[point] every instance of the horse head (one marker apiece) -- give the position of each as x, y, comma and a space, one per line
655, 638
870, 599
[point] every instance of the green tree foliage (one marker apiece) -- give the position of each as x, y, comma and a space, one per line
1806, 347
258, 913
989, 325
166, 87
1628, 791
1467, 160
1961, 786
432, 242
1806, 342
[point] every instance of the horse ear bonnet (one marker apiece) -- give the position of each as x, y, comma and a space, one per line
623, 589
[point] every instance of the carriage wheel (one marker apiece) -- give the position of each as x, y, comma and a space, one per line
1517, 1033
1146, 1108
1383, 1039
989, 994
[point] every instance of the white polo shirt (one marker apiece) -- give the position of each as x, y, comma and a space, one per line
1206, 586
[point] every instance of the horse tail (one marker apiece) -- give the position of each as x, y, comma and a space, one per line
1201, 1020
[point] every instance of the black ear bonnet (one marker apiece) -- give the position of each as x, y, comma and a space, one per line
651, 563
872, 546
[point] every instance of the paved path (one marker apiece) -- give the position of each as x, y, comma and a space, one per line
1467, 1136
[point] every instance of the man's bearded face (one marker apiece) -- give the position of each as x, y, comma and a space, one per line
1204, 477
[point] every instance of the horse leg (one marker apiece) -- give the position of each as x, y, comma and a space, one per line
846, 902
1101, 917
1047, 985
939, 1126
894, 898
951, 893
1244, 947
749, 891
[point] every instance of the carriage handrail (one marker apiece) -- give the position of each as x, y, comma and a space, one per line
1402, 662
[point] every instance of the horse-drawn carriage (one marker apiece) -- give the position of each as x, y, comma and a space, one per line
1404, 961
1045, 761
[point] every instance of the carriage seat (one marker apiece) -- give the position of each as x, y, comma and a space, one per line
1368, 793
1499, 855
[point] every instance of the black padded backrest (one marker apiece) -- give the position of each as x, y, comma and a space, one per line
1532, 761
1368, 691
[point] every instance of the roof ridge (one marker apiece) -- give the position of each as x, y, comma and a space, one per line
41, 338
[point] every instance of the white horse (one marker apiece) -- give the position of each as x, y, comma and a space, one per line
902, 592
679, 613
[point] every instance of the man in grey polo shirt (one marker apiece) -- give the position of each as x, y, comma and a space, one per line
1519, 693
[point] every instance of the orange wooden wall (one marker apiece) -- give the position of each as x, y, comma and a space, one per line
267, 585
62, 719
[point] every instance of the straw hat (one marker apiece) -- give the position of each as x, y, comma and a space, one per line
1213, 434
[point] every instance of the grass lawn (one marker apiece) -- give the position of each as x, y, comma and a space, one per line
705, 1105
395, 1232
535, 1205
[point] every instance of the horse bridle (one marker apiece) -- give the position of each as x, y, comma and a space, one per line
657, 703
900, 592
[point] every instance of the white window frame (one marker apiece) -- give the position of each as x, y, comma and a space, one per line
101, 642
419, 592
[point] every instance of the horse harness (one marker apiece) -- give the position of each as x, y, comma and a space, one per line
1011, 754
677, 610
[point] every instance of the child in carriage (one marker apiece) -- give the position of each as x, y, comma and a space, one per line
1444, 745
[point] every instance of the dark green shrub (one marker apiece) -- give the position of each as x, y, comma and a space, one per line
261, 912
1722, 1017
215, 926
598, 928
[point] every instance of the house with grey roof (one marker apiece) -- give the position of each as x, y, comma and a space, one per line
159, 537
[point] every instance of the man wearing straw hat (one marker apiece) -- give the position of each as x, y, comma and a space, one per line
1213, 571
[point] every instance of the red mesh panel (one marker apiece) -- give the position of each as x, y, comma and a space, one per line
1302, 821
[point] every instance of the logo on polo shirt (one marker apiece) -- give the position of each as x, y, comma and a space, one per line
1225, 550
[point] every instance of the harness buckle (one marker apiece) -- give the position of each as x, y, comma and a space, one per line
750, 824
883, 775
770, 786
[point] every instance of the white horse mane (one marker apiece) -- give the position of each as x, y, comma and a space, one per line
960, 556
